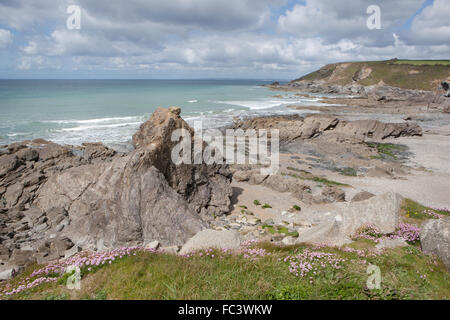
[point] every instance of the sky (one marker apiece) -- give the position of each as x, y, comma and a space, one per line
184, 39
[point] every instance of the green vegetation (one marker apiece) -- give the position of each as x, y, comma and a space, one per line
316, 179
266, 206
415, 211
256, 202
280, 230
296, 207
406, 74
243, 207
423, 62
347, 171
386, 150
405, 274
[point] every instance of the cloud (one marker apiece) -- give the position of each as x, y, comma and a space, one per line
5, 38
334, 20
432, 25
238, 38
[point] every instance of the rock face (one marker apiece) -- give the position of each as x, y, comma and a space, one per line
212, 239
391, 243
376, 92
313, 126
435, 239
361, 196
381, 211
58, 199
205, 187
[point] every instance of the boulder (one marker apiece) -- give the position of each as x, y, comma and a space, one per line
361, 196
329, 233
22, 257
212, 239
154, 245
381, 211
139, 197
287, 241
391, 243
171, 249
333, 194
7, 274
28, 154
206, 187
435, 238
71, 252
8, 163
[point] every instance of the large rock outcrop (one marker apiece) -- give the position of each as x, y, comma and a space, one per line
381, 211
435, 238
313, 126
212, 239
56, 198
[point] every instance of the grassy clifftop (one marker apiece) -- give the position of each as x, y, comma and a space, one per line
406, 74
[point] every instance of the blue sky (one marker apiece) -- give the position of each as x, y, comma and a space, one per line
259, 39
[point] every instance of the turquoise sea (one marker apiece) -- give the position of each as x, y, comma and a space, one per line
110, 111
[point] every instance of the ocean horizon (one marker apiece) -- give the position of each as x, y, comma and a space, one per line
74, 111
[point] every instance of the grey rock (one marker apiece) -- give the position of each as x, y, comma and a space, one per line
391, 243
8, 163
154, 245
22, 257
58, 247
435, 238
361, 196
42, 227
289, 241
171, 249
7, 274
71, 252
139, 196
28, 154
381, 211
212, 239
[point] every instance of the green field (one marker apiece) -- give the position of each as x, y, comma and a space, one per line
406, 74
336, 274
257, 271
423, 62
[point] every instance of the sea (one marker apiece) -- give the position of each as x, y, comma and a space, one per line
111, 111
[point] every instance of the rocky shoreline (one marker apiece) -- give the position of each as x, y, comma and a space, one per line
59, 200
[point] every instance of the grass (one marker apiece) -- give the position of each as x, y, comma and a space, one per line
415, 212
280, 230
347, 171
406, 74
386, 150
163, 276
315, 179
424, 62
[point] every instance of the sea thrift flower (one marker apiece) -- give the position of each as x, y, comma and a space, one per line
408, 232
54, 271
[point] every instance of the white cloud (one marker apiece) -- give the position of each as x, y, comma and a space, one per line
335, 20
221, 37
5, 38
432, 26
